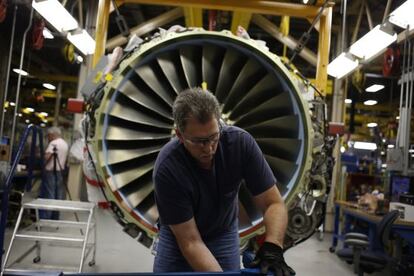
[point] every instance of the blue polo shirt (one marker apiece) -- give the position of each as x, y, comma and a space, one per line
183, 190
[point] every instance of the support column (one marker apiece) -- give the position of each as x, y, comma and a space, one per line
324, 45
102, 21
76, 182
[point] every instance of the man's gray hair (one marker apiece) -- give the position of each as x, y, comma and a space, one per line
54, 130
196, 102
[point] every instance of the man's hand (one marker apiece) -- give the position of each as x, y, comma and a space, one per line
270, 257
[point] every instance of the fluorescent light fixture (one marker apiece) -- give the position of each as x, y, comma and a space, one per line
373, 42
365, 145
411, 150
342, 65
28, 110
342, 149
12, 104
384, 166
45, 114
403, 15
83, 41
55, 14
49, 86
375, 88
382, 152
372, 125
370, 102
397, 118
20, 72
348, 101
47, 34
390, 146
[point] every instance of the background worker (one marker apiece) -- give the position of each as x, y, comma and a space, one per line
55, 162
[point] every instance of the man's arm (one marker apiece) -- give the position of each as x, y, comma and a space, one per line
275, 218
193, 248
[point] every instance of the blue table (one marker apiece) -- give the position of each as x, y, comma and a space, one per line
404, 229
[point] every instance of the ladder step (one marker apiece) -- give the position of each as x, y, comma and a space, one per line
59, 205
41, 269
63, 223
46, 236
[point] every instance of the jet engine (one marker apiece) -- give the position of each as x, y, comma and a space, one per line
129, 119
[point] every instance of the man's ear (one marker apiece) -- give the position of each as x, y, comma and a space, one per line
179, 135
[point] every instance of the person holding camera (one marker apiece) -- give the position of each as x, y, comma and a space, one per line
55, 155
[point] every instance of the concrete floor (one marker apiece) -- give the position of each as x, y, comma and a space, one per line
117, 252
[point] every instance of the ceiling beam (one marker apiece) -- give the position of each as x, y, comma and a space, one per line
252, 6
146, 27
289, 41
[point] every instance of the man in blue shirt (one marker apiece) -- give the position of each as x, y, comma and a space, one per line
197, 176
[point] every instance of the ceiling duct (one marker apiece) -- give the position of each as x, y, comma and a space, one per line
132, 119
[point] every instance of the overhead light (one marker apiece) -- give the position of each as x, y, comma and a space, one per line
47, 34
45, 114
384, 166
342, 65
342, 149
375, 88
373, 42
411, 150
12, 104
382, 152
20, 72
19, 114
348, 101
403, 15
83, 41
365, 145
49, 86
55, 14
372, 125
390, 146
27, 121
370, 102
42, 124
44, 121
397, 118
384, 140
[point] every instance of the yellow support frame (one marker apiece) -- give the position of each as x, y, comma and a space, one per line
247, 6
102, 21
193, 17
240, 19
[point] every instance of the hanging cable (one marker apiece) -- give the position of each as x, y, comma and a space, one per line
306, 35
120, 21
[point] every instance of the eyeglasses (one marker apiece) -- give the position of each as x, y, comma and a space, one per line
202, 142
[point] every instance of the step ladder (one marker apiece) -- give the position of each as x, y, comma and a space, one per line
52, 233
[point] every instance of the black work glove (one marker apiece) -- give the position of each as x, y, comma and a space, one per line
270, 257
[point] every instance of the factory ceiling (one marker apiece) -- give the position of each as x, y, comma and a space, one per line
51, 62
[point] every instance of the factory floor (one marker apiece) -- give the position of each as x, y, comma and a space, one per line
118, 252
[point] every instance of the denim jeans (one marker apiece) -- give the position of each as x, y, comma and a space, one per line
52, 188
224, 247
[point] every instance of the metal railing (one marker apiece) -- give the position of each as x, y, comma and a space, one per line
36, 134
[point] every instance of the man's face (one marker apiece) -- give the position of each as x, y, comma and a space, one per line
201, 140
